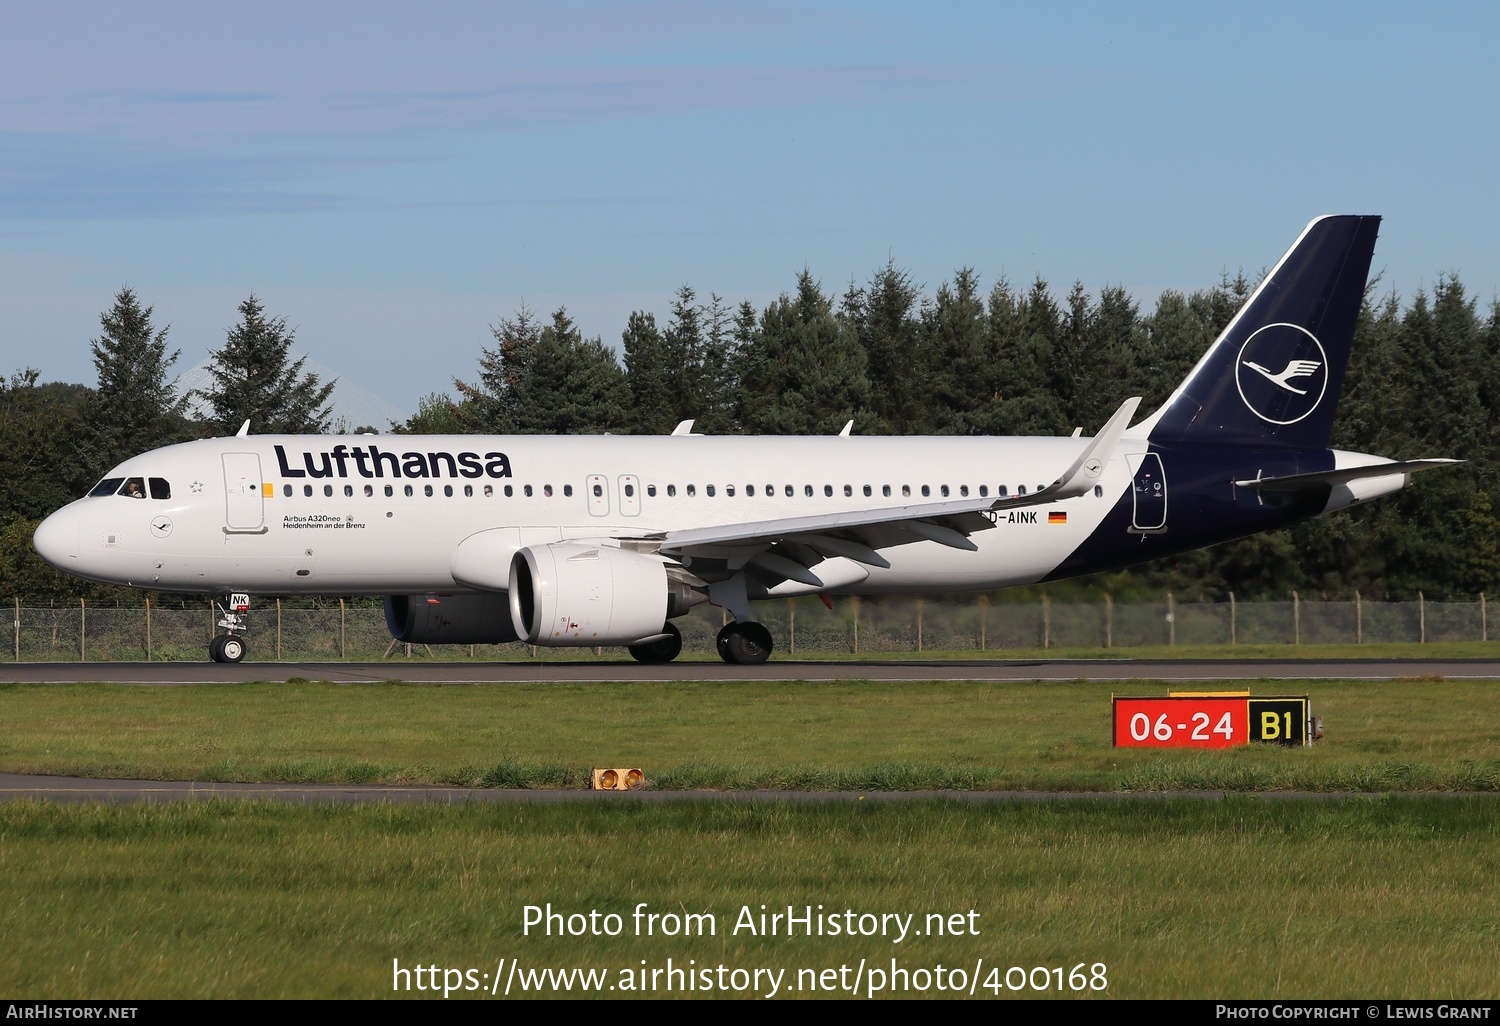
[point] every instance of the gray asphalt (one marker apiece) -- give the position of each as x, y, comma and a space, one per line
776, 670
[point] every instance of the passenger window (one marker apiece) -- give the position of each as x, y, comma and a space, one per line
448, 491
692, 490
906, 490
509, 491
369, 491
286, 490
134, 487
789, 491
926, 491
867, 491
671, 491
651, 491
348, 491
1020, 489
547, 491
828, 491
1098, 491
468, 491
108, 486
729, 490
526, 490
567, 491
750, 491
710, 490
389, 491
1002, 492
408, 491
328, 491
598, 491
963, 490
427, 490
944, 491
770, 491
807, 491
307, 491
160, 489
984, 491
885, 490
848, 490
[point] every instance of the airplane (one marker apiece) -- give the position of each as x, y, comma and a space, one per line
604, 540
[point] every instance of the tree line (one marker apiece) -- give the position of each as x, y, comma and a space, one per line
888, 354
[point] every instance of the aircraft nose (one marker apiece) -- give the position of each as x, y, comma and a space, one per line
56, 540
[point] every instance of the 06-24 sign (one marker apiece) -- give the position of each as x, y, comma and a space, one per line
1209, 721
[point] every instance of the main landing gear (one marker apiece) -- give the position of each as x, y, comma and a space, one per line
747, 643
662, 650
232, 615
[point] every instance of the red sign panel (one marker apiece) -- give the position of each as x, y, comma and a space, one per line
1181, 722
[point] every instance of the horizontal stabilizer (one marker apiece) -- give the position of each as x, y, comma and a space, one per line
1297, 482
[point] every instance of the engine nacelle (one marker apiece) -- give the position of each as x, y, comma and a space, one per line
482, 619
574, 594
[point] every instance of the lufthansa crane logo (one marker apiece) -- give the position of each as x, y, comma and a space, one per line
1282, 373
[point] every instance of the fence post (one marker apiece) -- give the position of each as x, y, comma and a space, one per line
984, 618
18, 628
278, 630
856, 624
148, 628
1233, 625
341, 632
1484, 623
1171, 620
1422, 618
1359, 619
791, 626
919, 625
1109, 621
1296, 618
82, 632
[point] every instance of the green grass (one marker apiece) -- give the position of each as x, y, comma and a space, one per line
1402, 735
1223, 899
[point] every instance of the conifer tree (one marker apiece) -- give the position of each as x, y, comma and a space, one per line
134, 408
255, 379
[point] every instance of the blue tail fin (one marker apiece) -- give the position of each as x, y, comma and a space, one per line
1274, 375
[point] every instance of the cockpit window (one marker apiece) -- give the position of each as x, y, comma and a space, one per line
160, 489
108, 486
135, 487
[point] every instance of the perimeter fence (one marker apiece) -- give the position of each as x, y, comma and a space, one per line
78, 632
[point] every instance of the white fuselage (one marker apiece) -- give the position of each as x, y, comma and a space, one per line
245, 515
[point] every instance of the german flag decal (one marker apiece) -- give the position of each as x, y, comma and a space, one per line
1057, 518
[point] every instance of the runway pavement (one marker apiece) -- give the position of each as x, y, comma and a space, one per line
144, 673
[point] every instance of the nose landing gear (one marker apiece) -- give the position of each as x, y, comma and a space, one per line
232, 615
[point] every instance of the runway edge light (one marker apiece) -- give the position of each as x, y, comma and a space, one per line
618, 779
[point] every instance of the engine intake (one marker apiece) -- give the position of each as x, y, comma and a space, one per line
574, 594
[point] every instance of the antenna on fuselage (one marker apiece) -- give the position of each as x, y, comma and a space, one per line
244, 430
847, 428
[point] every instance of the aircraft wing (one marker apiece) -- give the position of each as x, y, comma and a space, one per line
801, 542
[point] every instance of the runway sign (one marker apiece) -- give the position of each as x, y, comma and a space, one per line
1210, 720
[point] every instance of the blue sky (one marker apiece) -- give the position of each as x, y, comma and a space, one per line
394, 178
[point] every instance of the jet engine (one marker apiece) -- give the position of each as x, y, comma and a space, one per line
482, 619
574, 594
